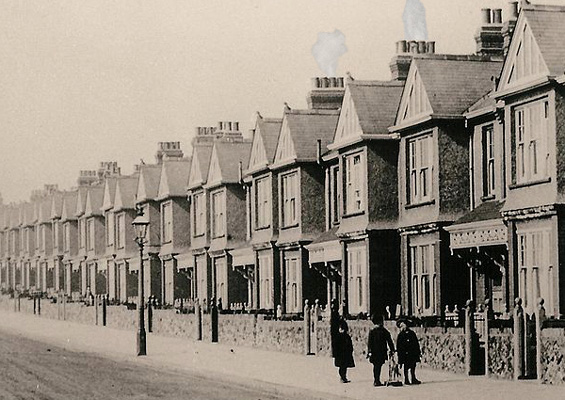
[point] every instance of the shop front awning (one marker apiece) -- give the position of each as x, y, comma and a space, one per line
243, 256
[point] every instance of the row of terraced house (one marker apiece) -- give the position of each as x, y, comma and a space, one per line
443, 184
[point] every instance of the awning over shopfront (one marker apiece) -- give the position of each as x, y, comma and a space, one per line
243, 256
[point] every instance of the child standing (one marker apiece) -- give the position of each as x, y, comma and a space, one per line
343, 351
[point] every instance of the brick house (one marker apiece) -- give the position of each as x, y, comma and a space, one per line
480, 237
146, 200
69, 225
258, 259
433, 174
126, 264
94, 241
176, 258
57, 240
530, 101
360, 251
202, 145
228, 215
44, 240
300, 182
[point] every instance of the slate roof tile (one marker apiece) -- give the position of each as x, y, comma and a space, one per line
548, 26
307, 126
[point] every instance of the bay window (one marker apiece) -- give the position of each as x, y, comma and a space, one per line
357, 277
423, 279
293, 275
262, 203
218, 214
199, 215
265, 281
167, 222
353, 184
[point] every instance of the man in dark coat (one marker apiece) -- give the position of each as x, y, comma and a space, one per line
343, 351
408, 350
379, 339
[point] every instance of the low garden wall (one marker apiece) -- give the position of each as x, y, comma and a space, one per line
553, 355
442, 348
501, 353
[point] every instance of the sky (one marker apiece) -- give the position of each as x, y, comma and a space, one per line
89, 81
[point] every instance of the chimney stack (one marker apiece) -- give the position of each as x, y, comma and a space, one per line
489, 37
405, 50
326, 94
509, 25
168, 151
204, 134
108, 169
87, 178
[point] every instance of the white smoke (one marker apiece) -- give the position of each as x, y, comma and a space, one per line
414, 16
327, 50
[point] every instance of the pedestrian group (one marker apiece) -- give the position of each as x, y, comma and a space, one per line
380, 348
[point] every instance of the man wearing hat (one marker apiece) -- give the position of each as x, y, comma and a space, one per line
408, 350
379, 339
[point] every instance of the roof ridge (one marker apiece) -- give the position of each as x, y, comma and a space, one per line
458, 57
544, 7
377, 83
313, 112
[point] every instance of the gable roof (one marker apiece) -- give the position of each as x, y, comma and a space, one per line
369, 108
148, 183
56, 205
548, 26
81, 201
471, 78
201, 153
109, 193
94, 198
27, 209
126, 187
265, 138
303, 128
226, 156
174, 178
45, 209
69, 205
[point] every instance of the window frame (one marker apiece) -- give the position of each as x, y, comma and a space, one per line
423, 278
420, 170
167, 222
120, 231
488, 161
531, 135
199, 214
262, 201
218, 206
354, 190
290, 199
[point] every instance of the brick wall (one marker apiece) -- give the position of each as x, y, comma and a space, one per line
553, 355
501, 353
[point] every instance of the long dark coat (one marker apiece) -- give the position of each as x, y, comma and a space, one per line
343, 351
408, 347
379, 339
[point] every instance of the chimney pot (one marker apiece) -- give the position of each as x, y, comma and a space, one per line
401, 47
421, 46
513, 10
413, 47
486, 13
315, 83
497, 16
235, 126
340, 81
431, 47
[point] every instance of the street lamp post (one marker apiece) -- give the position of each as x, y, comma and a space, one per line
140, 225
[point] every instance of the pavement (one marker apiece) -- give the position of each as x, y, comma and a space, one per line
313, 376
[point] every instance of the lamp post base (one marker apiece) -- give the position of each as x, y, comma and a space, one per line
141, 343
